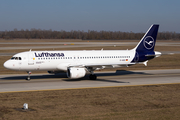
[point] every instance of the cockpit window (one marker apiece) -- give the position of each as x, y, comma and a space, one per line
12, 58
16, 58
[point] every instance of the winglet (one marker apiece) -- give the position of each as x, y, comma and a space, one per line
145, 63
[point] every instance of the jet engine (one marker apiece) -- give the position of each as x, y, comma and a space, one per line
75, 73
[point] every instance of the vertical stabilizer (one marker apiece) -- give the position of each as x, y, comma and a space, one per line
148, 41
145, 49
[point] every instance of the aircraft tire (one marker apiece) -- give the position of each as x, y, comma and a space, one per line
28, 78
92, 77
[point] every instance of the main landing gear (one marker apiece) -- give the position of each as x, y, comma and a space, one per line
28, 77
92, 77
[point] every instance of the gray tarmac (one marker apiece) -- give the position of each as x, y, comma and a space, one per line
14, 83
66, 45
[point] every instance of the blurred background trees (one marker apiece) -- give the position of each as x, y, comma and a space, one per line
90, 35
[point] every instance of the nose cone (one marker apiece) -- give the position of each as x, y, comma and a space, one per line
7, 65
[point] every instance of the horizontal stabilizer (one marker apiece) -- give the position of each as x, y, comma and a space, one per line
157, 54
150, 55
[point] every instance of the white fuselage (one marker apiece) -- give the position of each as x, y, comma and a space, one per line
61, 60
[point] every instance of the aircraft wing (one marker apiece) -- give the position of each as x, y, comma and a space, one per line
97, 66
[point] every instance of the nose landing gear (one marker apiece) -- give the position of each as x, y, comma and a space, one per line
28, 77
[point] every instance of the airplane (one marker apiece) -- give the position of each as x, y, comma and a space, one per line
79, 63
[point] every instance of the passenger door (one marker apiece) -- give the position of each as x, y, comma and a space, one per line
30, 58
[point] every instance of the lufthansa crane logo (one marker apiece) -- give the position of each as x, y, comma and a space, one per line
149, 42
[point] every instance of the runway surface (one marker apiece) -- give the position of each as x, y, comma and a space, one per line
14, 83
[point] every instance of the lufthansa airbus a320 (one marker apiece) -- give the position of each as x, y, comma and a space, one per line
78, 63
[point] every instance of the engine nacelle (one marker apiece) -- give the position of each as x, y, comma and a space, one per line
75, 73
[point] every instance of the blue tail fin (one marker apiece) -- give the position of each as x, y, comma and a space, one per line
148, 41
145, 48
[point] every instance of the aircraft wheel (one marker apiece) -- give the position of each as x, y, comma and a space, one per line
92, 77
28, 78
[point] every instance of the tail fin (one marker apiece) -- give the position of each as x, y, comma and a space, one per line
148, 41
145, 49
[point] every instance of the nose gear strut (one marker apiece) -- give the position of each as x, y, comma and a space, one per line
28, 77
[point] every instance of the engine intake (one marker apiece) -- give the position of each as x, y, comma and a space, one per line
75, 73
